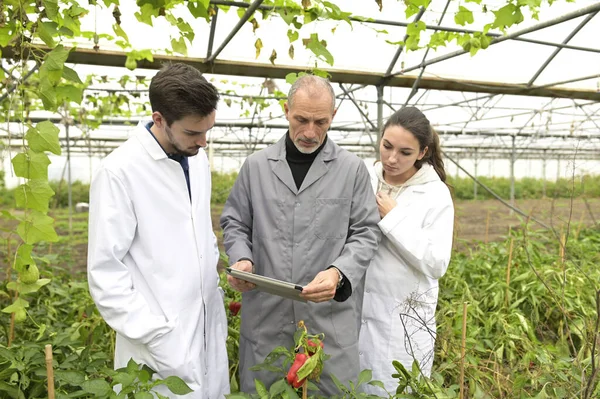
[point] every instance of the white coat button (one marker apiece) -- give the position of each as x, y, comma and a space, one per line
297, 204
292, 322
360, 353
364, 322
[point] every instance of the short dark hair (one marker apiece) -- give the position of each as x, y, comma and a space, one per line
179, 90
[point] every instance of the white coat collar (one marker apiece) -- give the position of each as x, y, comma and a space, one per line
149, 142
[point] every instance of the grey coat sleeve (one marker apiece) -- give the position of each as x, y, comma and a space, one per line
236, 219
364, 234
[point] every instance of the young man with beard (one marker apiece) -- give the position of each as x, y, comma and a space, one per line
152, 252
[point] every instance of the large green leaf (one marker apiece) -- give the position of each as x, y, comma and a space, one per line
35, 194
44, 137
31, 165
120, 32
18, 304
6, 34
177, 385
69, 93
71, 75
37, 227
27, 288
97, 387
71, 377
147, 11
314, 45
48, 95
46, 31
179, 46
51, 7
23, 257
55, 60
463, 16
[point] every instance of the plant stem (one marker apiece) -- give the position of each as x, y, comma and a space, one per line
462, 352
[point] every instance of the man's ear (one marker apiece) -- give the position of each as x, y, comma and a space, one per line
158, 120
286, 109
334, 112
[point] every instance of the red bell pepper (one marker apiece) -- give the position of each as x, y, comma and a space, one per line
292, 376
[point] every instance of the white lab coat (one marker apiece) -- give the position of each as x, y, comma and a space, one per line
152, 265
401, 289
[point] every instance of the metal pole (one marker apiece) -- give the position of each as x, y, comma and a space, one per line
513, 155
544, 175
69, 189
211, 37
557, 167
476, 161
379, 120
566, 17
235, 30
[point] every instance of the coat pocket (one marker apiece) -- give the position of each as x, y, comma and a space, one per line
171, 355
332, 217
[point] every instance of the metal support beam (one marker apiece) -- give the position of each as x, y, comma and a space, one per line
211, 37
235, 30
379, 120
566, 17
401, 47
405, 24
513, 159
557, 50
117, 59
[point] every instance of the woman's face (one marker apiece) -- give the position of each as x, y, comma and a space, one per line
399, 150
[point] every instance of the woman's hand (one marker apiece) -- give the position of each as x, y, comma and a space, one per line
385, 203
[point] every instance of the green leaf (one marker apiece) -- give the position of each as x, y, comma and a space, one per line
51, 7
199, 9
258, 45
44, 137
377, 383
291, 392
48, 95
463, 16
292, 35
37, 227
179, 46
364, 377
18, 304
120, 32
288, 14
31, 165
35, 194
125, 379
23, 257
28, 288
147, 11
97, 387
69, 93
143, 395
307, 367
277, 388
71, 377
55, 60
318, 49
71, 75
507, 16
177, 385
46, 31
6, 34
261, 390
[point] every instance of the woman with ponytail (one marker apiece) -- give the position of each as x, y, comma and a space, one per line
417, 217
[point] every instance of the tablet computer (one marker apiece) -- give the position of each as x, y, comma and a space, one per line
270, 285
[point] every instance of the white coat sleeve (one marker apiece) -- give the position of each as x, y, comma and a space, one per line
427, 248
112, 227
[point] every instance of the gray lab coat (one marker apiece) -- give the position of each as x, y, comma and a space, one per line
292, 235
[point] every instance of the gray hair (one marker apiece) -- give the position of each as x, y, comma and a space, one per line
312, 83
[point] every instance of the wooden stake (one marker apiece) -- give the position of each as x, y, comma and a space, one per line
305, 390
49, 371
510, 252
487, 226
462, 352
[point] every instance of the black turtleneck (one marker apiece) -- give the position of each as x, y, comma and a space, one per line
299, 163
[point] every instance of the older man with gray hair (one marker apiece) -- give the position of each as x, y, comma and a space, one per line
302, 210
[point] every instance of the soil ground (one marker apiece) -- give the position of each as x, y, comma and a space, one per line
476, 221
